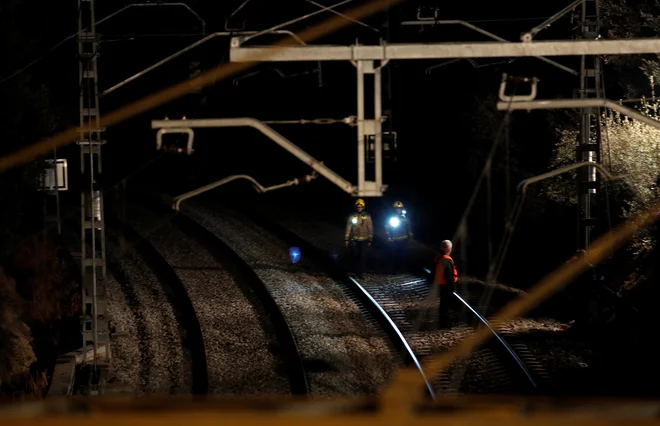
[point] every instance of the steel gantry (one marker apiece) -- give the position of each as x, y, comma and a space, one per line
410, 51
370, 59
95, 328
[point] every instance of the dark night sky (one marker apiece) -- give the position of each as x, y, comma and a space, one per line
438, 154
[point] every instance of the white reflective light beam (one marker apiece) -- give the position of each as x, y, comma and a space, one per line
354, 220
394, 222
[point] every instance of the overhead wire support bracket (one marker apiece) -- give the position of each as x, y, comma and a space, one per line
509, 99
351, 121
276, 137
176, 202
529, 35
187, 131
578, 103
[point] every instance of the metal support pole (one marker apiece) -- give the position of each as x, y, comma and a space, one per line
589, 143
360, 125
378, 124
94, 326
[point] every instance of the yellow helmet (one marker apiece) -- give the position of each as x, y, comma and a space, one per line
398, 205
359, 202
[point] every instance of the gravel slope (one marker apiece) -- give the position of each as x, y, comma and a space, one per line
237, 347
343, 354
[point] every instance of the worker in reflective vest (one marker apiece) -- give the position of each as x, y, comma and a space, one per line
445, 277
359, 235
399, 235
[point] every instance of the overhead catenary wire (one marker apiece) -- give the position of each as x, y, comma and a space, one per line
238, 9
495, 266
487, 172
459, 235
180, 89
72, 36
460, 232
298, 19
351, 121
60, 43
355, 21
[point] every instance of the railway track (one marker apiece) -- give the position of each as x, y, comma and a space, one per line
287, 350
508, 367
505, 365
192, 273
368, 305
341, 354
188, 324
526, 372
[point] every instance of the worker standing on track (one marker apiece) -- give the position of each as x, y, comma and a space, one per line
445, 277
399, 235
359, 235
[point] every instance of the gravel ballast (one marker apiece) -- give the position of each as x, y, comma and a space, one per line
236, 345
343, 354
147, 355
406, 296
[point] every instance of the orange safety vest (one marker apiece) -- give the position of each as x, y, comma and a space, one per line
439, 270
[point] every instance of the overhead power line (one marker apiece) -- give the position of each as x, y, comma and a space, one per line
112, 15
19, 71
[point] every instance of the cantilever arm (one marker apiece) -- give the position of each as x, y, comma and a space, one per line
522, 186
578, 103
268, 131
176, 203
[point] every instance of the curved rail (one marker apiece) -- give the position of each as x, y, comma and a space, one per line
395, 335
184, 311
499, 338
506, 346
409, 352
241, 270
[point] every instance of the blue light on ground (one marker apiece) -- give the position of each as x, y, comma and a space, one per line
294, 254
